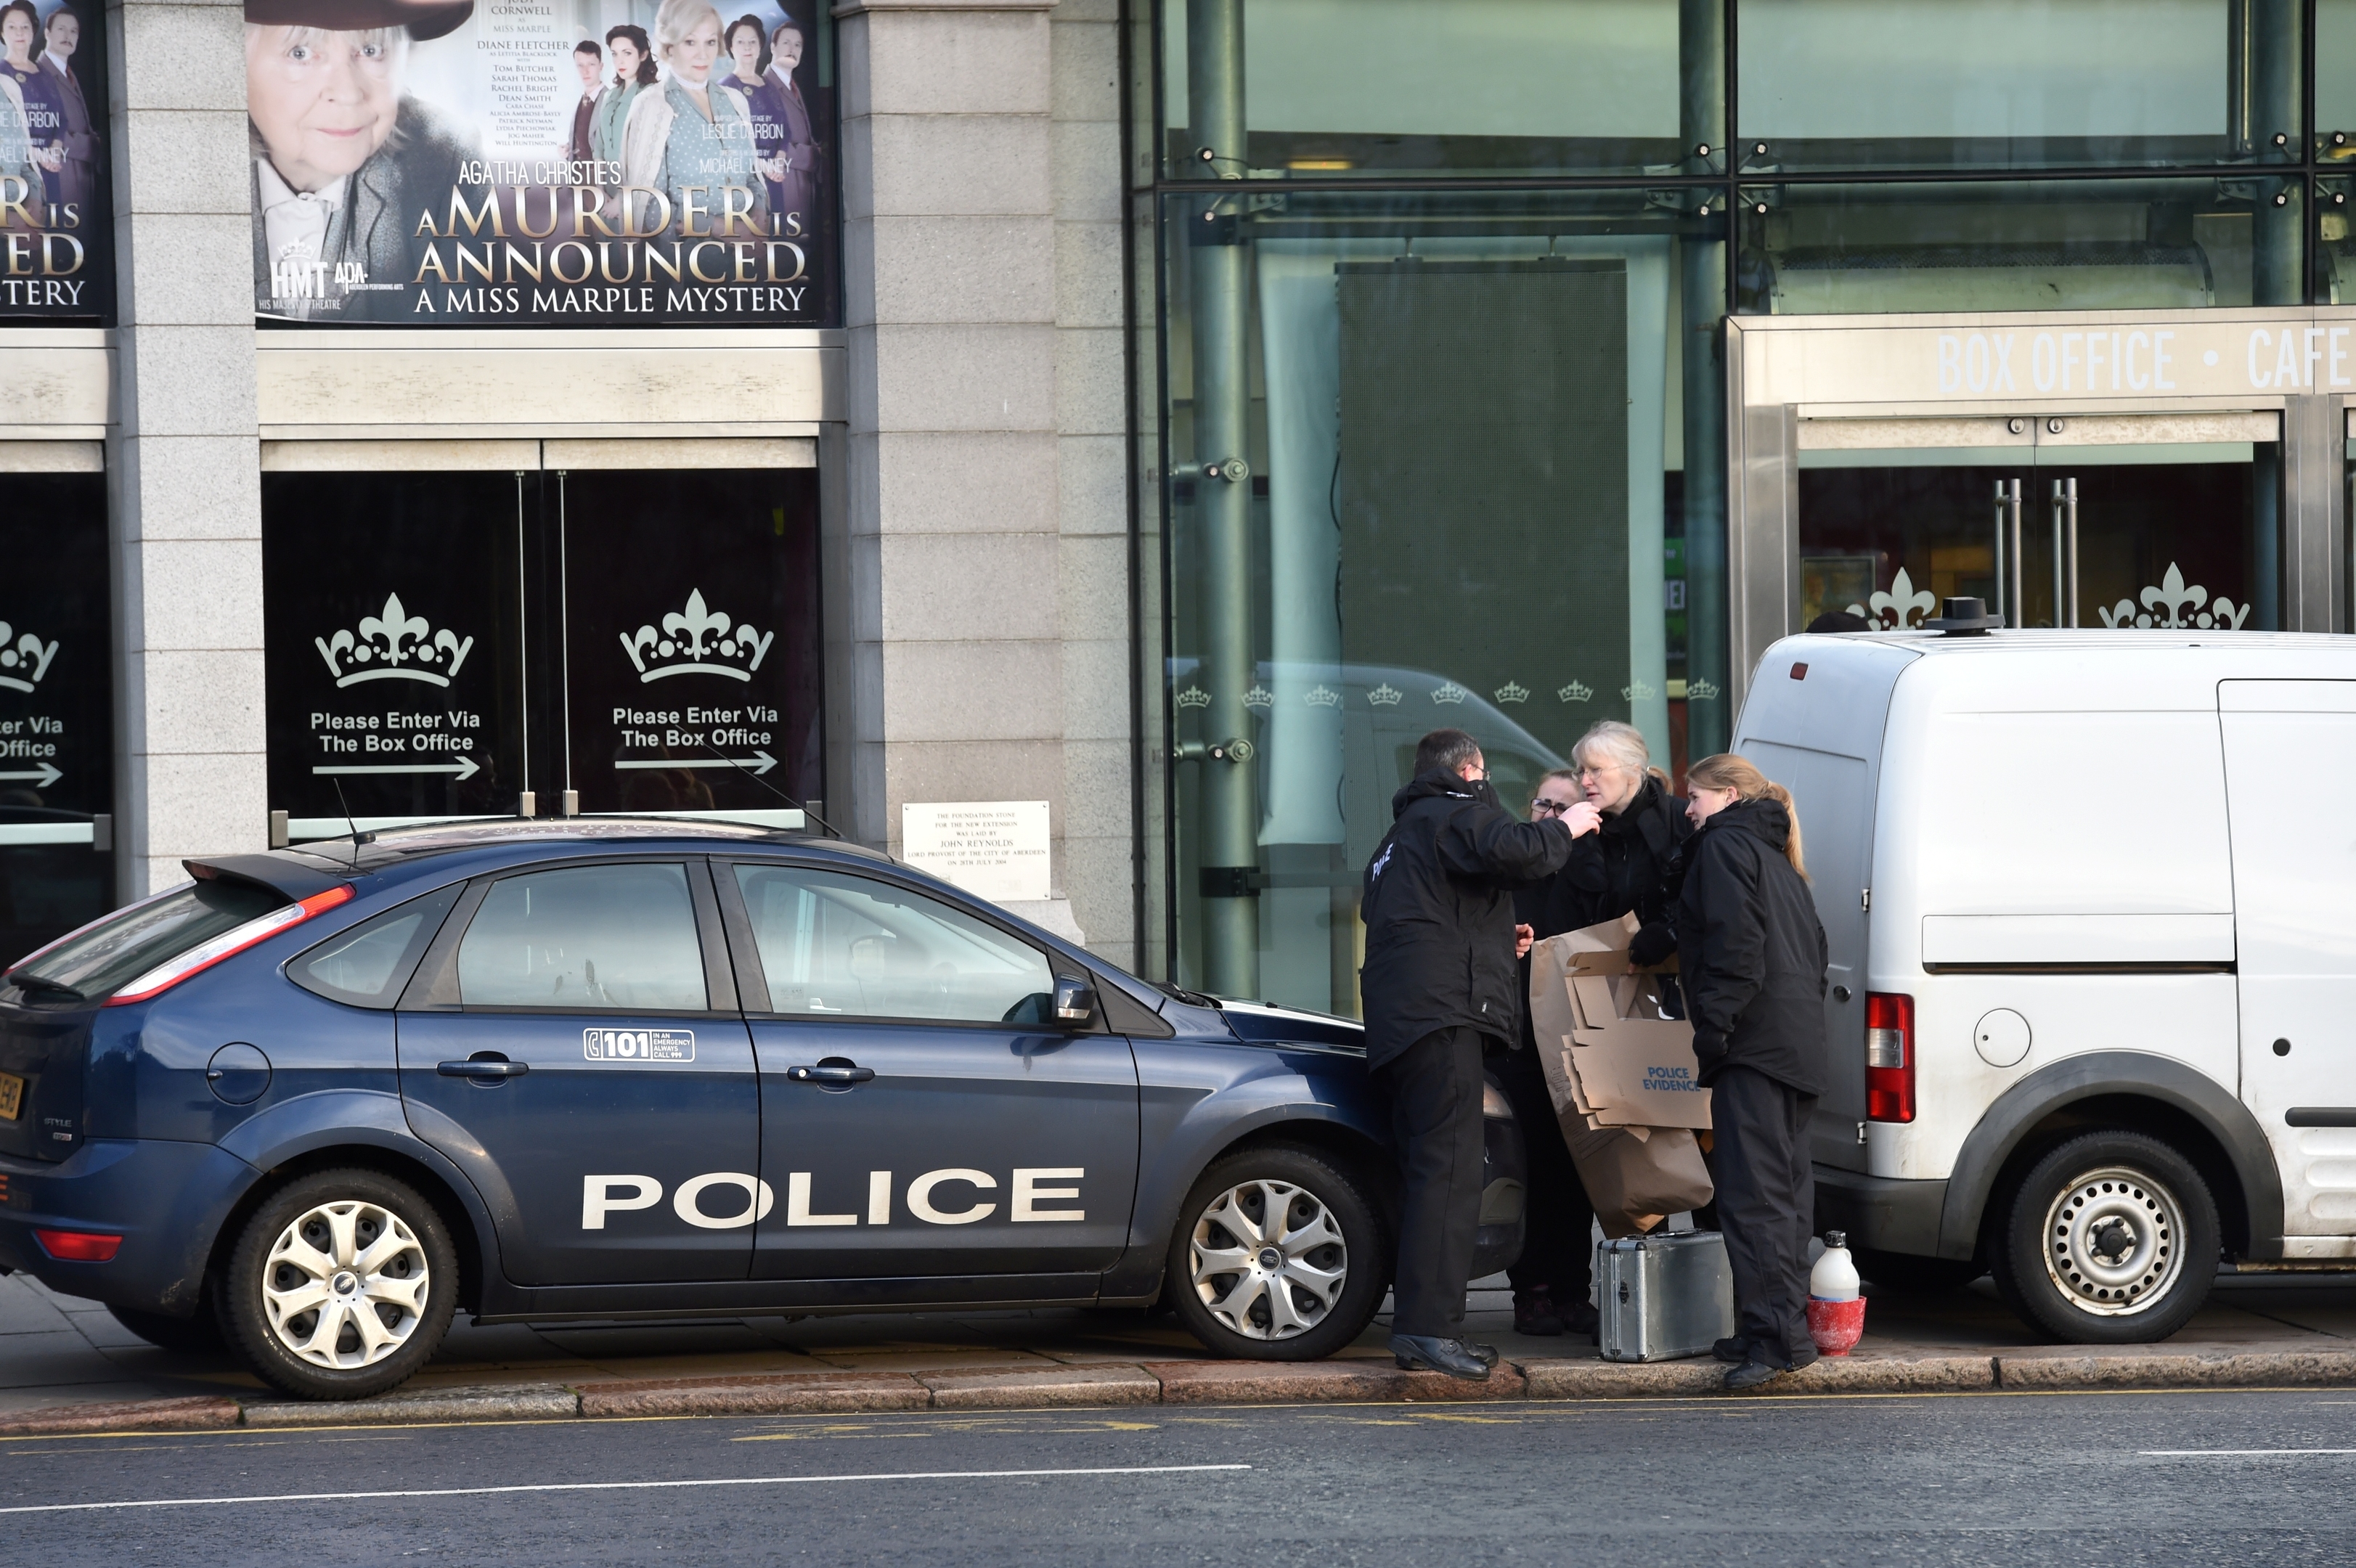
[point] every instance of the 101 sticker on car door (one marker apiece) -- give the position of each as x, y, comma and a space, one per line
639, 1044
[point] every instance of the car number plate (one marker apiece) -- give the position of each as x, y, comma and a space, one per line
11, 1096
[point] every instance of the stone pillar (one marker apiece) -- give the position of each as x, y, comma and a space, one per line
952, 515
183, 463
1099, 837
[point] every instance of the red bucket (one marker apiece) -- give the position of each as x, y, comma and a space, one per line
1836, 1326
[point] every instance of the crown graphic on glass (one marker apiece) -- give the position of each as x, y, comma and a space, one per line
394, 645
24, 661
696, 640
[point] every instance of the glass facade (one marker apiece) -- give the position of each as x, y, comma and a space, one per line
1430, 394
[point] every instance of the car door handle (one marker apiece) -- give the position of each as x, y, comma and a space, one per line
482, 1069
824, 1074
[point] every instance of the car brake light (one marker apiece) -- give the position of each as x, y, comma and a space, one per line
228, 944
1889, 1057
79, 1246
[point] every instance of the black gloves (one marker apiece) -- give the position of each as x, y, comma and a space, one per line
1651, 945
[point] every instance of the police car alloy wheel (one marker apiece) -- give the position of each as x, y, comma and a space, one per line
2110, 1238
1279, 1256
341, 1285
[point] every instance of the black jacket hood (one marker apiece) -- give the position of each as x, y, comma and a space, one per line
1765, 820
1439, 782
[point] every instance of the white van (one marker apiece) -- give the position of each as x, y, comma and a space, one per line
2092, 905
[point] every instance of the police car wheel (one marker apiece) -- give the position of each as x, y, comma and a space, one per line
340, 1285
2110, 1239
1279, 1257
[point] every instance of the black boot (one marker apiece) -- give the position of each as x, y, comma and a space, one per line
1423, 1353
1535, 1312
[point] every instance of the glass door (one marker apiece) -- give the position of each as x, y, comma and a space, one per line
2167, 521
599, 626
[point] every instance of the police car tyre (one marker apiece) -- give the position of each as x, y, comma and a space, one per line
1281, 1255
2109, 1239
198, 1336
341, 1285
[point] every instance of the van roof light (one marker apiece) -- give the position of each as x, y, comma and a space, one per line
1964, 618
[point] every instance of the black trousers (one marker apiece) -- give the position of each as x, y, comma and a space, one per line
1766, 1207
1558, 1215
1435, 1087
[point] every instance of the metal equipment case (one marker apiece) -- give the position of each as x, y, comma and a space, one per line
1662, 1296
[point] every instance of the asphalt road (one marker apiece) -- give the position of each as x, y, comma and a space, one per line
2013, 1480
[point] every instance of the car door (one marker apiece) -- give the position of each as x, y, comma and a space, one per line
920, 1114
574, 1043
2295, 946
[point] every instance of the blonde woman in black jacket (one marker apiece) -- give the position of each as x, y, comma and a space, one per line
1750, 956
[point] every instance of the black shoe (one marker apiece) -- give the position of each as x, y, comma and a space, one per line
1751, 1374
1808, 1357
1535, 1312
1736, 1349
1487, 1353
1584, 1321
1424, 1353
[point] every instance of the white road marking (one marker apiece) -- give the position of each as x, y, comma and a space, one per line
2232, 1453
618, 1487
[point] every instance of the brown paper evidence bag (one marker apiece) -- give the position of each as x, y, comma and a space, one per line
1623, 1077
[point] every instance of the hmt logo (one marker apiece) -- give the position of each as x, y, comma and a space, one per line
696, 640
394, 644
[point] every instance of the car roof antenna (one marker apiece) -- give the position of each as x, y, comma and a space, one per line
801, 805
349, 820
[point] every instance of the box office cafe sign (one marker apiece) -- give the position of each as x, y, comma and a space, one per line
483, 162
2196, 359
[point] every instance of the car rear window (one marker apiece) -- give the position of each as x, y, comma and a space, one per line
367, 966
94, 961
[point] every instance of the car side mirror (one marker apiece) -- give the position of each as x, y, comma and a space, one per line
1075, 1001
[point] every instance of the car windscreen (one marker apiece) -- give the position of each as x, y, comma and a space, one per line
93, 962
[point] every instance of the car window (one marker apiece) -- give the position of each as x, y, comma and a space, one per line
102, 956
609, 937
370, 963
833, 944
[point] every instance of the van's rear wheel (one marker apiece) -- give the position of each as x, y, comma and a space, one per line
2110, 1239
341, 1285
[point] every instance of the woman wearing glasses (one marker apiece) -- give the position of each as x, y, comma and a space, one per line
1611, 873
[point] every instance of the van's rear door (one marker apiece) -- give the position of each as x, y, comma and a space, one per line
1818, 735
2293, 887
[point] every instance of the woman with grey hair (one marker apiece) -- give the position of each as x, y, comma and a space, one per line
1616, 870
691, 139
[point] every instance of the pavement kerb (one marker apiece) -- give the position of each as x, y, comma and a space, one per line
1352, 1380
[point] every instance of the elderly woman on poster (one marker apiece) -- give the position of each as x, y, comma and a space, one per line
693, 139
345, 162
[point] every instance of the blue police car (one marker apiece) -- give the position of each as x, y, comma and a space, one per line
315, 1101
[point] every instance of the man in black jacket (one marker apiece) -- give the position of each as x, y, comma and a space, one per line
1751, 953
1441, 978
